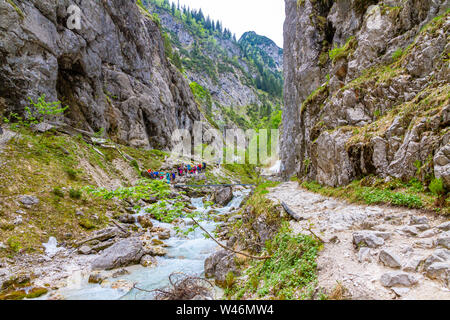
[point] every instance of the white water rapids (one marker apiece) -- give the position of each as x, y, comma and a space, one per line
186, 254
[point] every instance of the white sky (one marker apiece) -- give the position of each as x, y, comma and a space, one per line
265, 17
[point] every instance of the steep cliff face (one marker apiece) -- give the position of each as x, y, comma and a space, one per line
366, 90
241, 80
112, 73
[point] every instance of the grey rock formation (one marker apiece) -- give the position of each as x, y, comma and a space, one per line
219, 265
223, 196
398, 279
121, 254
112, 73
337, 124
28, 201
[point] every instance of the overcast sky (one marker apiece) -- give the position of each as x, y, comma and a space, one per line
265, 17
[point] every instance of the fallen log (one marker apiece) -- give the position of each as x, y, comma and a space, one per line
294, 215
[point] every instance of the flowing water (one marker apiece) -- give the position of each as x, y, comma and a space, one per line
186, 254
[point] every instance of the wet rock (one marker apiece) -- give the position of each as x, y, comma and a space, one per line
120, 272
398, 279
164, 235
145, 222
148, 261
127, 219
367, 238
123, 253
28, 201
85, 250
96, 277
212, 261
439, 255
155, 251
219, 265
223, 196
444, 240
389, 259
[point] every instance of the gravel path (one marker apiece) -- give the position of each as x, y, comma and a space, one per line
399, 250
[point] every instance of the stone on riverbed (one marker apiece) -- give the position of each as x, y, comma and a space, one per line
223, 196
145, 222
121, 254
219, 265
148, 261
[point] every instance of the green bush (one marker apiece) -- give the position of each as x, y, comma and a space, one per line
75, 193
291, 271
437, 187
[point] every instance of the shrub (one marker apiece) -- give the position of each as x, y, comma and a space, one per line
58, 192
73, 174
75, 193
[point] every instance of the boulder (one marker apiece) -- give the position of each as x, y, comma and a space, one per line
123, 253
96, 277
85, 249
127, 219
145, 222
164, 235
367, 238
398, 279
223, 196
28, 201
389, 259
219, 265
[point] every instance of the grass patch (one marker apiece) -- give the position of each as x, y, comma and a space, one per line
371, 191
290, 273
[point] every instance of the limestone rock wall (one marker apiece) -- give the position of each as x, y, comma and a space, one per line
113, 73
366, 90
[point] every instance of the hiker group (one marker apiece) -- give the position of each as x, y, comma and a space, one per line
183, 170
